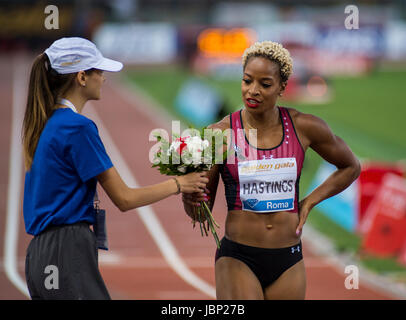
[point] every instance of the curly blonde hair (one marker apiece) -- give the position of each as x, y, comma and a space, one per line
273, 51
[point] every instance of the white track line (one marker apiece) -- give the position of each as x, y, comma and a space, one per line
322, 246
15, 176
148, 216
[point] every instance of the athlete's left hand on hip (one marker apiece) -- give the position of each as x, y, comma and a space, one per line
304, 211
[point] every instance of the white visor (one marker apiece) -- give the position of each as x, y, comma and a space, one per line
107, 64
71, 55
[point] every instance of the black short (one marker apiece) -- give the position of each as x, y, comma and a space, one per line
266, 264
62, 263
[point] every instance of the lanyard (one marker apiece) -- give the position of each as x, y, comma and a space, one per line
67, 103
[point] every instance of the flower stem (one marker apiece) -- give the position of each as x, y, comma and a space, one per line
209, 212
200, 221
211, 222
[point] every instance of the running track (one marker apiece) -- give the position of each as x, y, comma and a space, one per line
135, 266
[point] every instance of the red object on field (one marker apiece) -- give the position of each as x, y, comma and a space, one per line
369, 182
385, 219
292, 88
402, 256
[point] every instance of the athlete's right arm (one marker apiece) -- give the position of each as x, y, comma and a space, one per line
126, 198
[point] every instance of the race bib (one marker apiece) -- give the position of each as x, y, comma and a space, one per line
268, 185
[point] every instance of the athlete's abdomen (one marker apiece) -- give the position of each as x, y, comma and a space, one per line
277, 230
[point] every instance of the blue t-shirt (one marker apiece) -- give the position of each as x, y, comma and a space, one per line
61, 184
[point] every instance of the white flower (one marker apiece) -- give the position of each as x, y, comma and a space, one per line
195, 146
197, 157
174, 147
182, 169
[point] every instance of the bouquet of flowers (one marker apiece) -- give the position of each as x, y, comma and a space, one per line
188, 154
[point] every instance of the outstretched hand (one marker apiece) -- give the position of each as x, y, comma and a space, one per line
194, 182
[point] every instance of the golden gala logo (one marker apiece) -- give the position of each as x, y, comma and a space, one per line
266, 167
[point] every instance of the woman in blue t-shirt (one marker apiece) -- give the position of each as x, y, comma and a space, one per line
64, 158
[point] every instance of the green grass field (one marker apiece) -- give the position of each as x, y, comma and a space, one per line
368, 112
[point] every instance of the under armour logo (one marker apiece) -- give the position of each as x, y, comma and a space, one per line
264, 157
297, 249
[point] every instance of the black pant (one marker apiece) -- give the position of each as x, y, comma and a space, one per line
62, 263
267, 264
